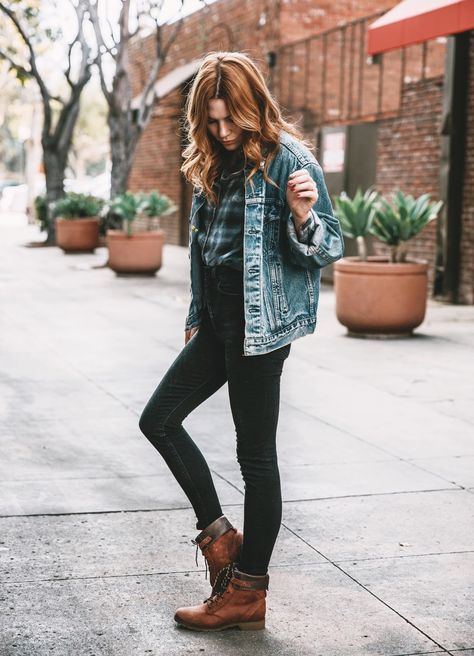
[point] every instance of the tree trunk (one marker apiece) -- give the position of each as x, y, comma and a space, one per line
55, 156
123, 142
54, 170
34, 156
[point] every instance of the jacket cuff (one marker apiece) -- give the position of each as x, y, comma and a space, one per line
307, 232
192, 320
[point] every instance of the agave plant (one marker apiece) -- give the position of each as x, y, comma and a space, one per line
156, 204
356, 215
395, 223
126, 206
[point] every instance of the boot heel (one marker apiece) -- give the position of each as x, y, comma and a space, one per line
252, 626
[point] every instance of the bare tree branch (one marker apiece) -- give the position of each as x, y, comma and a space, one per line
32, 60
148, 96
56, 142
80, 10
102, 48
121, 82
13, 64
174, 33
126, 120
111, 30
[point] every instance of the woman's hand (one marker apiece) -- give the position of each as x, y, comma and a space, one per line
301, 195
189, 333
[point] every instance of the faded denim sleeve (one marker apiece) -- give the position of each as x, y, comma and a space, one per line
325, 242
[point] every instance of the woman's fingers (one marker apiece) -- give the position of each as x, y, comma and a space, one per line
306, 194
305, 189
299, 175
301, 181
189, 333
304, 186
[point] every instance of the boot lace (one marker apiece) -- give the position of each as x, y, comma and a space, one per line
221, 586
197, 549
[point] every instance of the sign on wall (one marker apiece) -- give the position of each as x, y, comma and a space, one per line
333, 151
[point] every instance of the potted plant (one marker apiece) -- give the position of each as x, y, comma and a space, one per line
138, 250
77, 222
41, 212
379, 295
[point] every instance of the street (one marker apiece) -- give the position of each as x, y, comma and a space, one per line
376, 448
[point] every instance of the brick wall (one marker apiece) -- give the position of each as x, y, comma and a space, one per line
466, 283
302, 18
158, 160
329, 78
408, 154
408, 158
253, 26
256, 27
246, 25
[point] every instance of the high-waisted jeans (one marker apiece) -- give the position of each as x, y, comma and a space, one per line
213, 356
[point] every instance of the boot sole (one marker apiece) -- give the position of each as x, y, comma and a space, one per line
243, 626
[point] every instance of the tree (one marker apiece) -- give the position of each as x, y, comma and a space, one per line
126, 121
60, 112
90, 148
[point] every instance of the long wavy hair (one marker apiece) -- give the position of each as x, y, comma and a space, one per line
235, 78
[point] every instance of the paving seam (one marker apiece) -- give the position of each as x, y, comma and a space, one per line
371, 444
232, 505
435, 642
54, 579
376, 494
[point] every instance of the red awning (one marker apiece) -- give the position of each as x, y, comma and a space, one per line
415, 21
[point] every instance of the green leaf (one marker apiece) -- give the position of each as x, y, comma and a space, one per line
75, 206
404, 218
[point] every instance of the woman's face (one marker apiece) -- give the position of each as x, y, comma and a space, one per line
220, 125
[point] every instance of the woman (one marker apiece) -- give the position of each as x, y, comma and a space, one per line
261, 229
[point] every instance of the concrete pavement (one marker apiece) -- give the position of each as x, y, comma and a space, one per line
376, 444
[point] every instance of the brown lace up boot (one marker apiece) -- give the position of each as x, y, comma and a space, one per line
220, 545
240, 602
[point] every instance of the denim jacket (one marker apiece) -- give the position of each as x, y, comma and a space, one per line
281, 274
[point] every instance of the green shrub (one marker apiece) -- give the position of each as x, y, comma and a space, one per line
156, 204
393, 223
355, 216
41, 212
397, 222
128, 206
78, 206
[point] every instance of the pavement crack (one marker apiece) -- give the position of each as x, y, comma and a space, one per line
352, 578
223, 478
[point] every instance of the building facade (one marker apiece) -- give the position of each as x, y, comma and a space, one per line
375, 121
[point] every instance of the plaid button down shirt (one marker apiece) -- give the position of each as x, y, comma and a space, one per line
221, 234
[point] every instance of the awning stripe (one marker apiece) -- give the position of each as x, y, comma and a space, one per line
415, 21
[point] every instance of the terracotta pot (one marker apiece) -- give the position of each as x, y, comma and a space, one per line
77, 234
378, 297
139, 253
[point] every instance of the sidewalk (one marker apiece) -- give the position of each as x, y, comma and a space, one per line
376, 445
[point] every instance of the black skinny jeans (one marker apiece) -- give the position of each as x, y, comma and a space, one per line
211, 357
